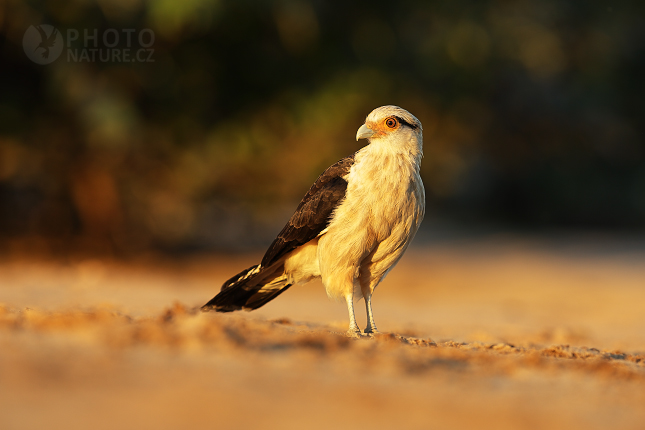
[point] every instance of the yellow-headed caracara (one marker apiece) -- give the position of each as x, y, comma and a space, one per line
351, 227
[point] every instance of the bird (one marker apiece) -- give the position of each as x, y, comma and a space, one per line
46, 42
350, 229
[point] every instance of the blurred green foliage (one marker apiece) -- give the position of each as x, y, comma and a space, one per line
532, 113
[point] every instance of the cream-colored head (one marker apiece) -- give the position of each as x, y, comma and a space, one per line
394, 127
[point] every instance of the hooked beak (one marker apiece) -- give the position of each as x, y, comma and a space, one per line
364, 132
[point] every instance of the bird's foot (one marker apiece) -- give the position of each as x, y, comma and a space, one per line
353, 331
371, 331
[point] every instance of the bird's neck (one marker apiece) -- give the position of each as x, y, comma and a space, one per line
382, 164
407, 151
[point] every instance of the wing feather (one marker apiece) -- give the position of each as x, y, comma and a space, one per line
313, 213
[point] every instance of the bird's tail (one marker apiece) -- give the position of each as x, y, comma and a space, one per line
250, 289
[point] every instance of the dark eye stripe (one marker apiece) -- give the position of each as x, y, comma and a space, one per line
404, 122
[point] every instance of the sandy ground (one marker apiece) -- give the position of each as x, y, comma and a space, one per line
499, 333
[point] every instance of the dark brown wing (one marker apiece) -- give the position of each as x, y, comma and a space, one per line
313, 213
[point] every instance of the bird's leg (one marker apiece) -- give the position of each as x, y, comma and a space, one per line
371, 326
353, 330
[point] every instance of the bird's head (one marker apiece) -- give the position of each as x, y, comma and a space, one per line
392, 125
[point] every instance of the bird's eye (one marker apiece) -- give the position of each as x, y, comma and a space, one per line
391, 122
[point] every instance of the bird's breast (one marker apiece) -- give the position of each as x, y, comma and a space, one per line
384, 192
382, 209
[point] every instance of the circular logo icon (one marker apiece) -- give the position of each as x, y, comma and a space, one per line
42, 43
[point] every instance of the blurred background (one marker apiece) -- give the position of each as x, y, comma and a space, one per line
532, 112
